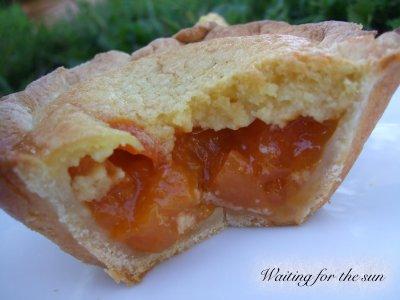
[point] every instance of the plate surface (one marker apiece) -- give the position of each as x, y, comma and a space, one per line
359, 229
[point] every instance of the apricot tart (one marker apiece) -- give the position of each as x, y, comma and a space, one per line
127, 160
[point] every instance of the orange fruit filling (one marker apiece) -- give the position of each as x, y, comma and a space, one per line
158, 201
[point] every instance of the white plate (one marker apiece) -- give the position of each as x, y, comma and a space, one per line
359, 229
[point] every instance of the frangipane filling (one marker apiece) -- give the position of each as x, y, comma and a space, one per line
147, 203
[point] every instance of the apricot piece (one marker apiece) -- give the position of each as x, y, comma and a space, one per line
236, 185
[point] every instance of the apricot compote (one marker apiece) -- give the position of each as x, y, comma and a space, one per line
249, 169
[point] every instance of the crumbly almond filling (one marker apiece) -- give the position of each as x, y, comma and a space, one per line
95, 184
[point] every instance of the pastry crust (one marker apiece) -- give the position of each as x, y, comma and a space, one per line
175, 84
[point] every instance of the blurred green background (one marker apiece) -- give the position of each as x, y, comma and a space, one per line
30, 49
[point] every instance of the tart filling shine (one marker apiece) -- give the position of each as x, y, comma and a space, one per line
147, 203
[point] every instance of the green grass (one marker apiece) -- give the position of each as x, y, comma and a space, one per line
29, 50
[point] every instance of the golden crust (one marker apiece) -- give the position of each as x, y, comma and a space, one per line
174, 83
39, 216
18, 113
377, 100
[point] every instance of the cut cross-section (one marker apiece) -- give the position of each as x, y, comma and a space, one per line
256, 169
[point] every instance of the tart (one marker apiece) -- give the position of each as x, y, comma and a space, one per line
127, 160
